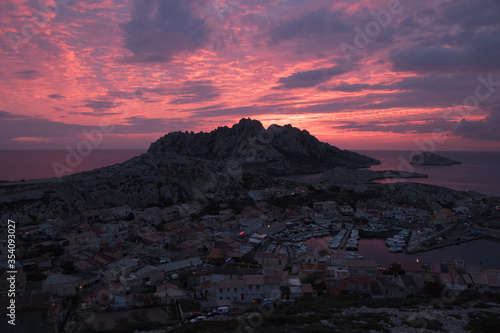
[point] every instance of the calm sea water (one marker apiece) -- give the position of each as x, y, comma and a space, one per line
481, 251
36, 164
479, 171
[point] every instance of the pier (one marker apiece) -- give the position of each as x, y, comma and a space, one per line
452, 235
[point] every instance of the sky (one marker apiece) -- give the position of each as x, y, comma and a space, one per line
357, 74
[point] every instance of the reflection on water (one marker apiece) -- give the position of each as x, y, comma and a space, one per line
478, 171
481, 251
478, 251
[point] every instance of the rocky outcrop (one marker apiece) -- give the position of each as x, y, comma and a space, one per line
428, 158
344, 176
277, 150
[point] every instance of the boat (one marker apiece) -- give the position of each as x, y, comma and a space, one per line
352, 245
351, 255
396, 249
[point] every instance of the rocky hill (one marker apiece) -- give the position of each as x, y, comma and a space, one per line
277, 150
428, 158
222, 165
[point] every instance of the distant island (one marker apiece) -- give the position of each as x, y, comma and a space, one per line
428, 158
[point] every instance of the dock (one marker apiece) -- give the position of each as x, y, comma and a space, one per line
422, 248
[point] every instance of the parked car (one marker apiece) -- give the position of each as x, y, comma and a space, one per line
199, 318
213, 313
192, 315
223, 309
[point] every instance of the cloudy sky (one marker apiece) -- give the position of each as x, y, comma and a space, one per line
361, 74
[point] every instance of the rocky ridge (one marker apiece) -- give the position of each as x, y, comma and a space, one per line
429, 158
277, 150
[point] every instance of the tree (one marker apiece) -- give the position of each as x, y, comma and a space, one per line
395, 268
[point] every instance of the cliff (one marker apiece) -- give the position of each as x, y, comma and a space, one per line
277, 150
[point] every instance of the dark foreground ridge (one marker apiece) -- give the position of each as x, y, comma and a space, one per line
277, 150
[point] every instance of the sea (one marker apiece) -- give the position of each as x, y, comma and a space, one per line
37, 164
479, 171
479, 251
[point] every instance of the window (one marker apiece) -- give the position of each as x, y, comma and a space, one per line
220, 291
250, 287
279, 262
257, 287
235, 290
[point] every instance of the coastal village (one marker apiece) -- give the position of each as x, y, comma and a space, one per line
81, 264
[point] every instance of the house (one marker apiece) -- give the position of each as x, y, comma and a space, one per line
316, 272
69, 285
88, 239
362, 267
243, 288
325, 206
180, 264
493, 281
121, 212
346, 210
150, 274
272, 262
191, 247
232, 290
47, 228
91, 216
249, 226
295, 287
358, 284
307, 290
389, 287
443, 216
480, 282
169, 292
37, 263
455, 282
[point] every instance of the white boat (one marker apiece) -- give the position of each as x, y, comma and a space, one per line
396, 249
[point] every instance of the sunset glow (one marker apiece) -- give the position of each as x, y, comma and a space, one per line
370, 75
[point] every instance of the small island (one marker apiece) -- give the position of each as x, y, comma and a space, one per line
428, 158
